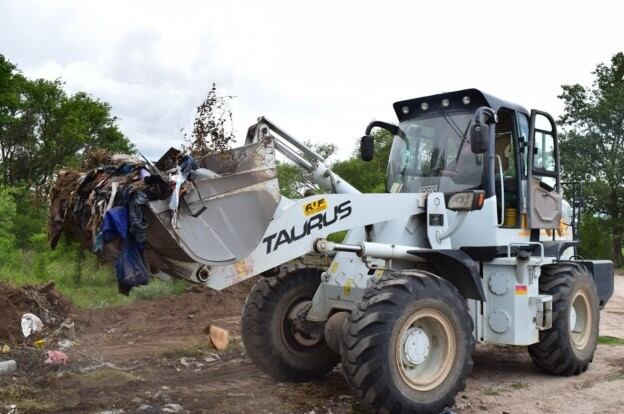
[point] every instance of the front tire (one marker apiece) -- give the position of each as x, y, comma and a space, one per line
568, 347
270, 338
408, 347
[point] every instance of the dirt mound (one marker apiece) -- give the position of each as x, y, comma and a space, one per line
42, 300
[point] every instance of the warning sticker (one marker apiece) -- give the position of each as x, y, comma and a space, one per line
521, 289
315, 206
346, 289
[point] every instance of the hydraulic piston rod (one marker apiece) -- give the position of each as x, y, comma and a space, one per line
368, 249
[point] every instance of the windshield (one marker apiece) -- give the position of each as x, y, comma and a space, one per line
433, 155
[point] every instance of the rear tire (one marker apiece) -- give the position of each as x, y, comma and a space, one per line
408, 347
268, 334
568, 347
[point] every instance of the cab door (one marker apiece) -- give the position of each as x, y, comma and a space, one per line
544, 183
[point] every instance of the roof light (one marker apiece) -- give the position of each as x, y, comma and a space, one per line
405, 110
445, 103
424, 106
466, 100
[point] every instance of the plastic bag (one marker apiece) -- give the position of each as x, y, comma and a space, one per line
30, 324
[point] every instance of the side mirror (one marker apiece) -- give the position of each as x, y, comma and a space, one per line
367, 147
484, 119
479, 134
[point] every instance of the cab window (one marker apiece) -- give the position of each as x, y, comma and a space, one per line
505, 145
523, 129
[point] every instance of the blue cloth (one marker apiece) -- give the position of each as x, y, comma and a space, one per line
115, 224
130, 268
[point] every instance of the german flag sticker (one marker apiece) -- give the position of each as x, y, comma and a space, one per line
521, 289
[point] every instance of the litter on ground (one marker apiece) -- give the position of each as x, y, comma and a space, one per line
31, 324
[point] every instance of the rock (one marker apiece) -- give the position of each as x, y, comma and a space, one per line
219, 337
137, 400
6, 367
172, 409
65, 344
211, 357
148, 409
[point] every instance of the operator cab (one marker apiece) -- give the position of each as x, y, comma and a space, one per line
432, 152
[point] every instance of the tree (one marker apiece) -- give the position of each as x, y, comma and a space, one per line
293, 180
368, 177
213, 126
43, 128
592, 145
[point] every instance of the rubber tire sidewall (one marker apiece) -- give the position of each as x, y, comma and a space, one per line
555, 353
262, 325
451, 311
372, 373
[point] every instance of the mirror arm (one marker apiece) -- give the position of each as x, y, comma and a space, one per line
393, 129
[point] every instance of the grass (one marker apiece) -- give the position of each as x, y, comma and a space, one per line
26, 399
491, 391
518, 385
80, 277
610, 340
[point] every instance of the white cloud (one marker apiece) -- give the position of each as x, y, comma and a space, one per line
323, 70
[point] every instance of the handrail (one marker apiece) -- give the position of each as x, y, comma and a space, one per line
541, 245
500, 166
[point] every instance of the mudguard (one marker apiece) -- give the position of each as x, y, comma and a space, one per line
456, 267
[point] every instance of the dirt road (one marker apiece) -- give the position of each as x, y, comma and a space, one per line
150, 356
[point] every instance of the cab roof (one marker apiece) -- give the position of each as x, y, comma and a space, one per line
456, 100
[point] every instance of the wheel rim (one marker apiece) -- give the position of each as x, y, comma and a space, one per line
425, 349
291, 336
580, 320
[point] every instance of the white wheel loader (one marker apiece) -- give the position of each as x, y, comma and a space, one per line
472, 242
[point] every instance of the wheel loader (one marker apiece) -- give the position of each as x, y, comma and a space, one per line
472, 242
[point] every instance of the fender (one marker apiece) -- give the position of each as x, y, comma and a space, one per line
456, 267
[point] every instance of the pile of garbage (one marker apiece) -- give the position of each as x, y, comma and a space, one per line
102, 207
50, 307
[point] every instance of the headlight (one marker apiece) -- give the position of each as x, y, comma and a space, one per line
466, 201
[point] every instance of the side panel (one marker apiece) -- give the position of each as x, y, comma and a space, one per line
514, 309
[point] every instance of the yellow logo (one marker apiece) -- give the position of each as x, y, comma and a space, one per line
346, 289
315, 206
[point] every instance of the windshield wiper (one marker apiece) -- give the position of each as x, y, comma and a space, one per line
457, 130
463, 140
450, 121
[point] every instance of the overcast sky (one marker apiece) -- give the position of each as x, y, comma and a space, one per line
321, 70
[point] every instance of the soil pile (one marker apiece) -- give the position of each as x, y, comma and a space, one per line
42, 300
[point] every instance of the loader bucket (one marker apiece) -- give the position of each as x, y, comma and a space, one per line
225, 215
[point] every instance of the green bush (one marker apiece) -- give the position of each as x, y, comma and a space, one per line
26, 257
